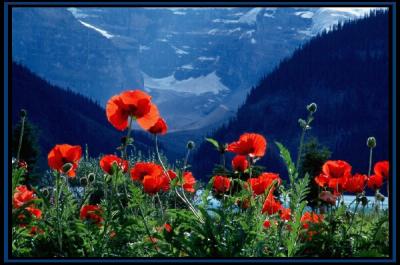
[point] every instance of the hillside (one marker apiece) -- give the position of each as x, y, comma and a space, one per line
63, 116
346, 72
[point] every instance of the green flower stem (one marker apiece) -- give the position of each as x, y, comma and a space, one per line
145, 225
161, 206
20, 138
127, 137
352, 217
175, 189
303, 133
370, 162
57, 208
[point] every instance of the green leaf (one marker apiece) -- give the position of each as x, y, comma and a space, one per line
213, 142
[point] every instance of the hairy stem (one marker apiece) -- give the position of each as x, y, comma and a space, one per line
20, 138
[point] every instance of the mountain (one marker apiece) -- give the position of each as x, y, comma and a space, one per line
57, 47
63, 116
346, 72
197, 63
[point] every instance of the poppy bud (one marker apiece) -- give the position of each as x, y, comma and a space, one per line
84, 181
67, 167
46, 192
190, 145
303, 123
371, 142
91, 177
364, 201
23, 113
312, 107
380, 197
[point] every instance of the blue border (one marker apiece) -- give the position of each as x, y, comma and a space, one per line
185, 260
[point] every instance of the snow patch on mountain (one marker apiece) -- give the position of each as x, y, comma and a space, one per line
251, 16
101, 31
305, 14
199, 85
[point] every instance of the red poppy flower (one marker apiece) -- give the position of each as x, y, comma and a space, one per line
251, 144
133, 103
153, 184
328, 197
240, 163
35, 230
355, 184
160, 127
285, 214
337, 184
261, 183
381, 168
267, 224
142, 169
168, 227
35, 212
311, 217
107, 161
221, 184
271, 205
171, 174
63, 154
375, 182
92, 213
322, 180
188, 181
22, 196
244, 204
336, 169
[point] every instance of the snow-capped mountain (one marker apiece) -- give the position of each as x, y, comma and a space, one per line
198, 63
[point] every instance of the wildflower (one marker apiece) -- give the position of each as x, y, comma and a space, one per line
160, 127
171, 174
132, 103
107, 161
240, 163
375, 182
22, 164
153, 183
34, 212
285, 214
92, 213
244, 204
188, 181
142, 169
221, 184
251, 144
328, 197
334, 175
355, 184
322, 180
64, 158
311, 217
261, 183
381, 168
35, 230
336, 169
267, 224
22, 196
271, 205
168, 227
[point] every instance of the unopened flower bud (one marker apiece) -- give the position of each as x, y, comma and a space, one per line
312, 107
23, 113
91, 177
190, 145
364, 201
380, 197
124, 140
84, 181
67, 167
46, 192
303, 123
371, 142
